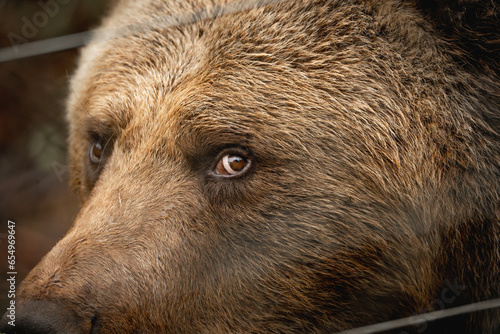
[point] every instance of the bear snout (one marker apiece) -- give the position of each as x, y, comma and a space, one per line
44, 317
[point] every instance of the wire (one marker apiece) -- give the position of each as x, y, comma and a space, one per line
45, 46
423, 318
66, 42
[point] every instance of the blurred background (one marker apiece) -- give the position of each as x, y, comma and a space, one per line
34, 190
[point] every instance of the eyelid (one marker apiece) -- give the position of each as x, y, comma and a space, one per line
104, 139
95, 128
235, 150
93, 136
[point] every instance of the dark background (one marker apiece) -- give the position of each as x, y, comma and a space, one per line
34, 190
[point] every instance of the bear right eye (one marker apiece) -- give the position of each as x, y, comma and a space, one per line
233, 162
231, 165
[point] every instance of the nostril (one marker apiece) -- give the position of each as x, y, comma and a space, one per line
43, 317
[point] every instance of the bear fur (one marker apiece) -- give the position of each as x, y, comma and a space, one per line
372, 128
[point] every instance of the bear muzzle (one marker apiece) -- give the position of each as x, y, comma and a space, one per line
43, 317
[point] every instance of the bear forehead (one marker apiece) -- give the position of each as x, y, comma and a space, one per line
287, 73
257, 52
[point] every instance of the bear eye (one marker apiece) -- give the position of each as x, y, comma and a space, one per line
232, 165
96, 151
99, 150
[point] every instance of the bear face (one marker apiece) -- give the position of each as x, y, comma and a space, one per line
305, 166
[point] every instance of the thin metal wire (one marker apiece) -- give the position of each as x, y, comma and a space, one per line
50, 45
423, 318
66, 42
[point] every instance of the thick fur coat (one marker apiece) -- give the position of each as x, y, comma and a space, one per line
371, 134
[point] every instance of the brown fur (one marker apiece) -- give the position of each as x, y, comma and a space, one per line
375, 180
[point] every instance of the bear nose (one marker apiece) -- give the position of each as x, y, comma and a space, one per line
42, 317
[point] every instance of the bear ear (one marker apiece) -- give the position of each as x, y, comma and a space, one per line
471, 26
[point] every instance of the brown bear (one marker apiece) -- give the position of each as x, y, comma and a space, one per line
279, 167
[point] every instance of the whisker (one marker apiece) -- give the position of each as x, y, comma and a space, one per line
77, 98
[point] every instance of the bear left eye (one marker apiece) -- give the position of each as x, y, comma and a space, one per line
96, 151
232, 165
99, 150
